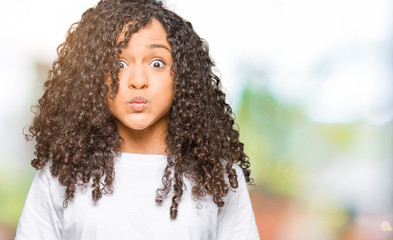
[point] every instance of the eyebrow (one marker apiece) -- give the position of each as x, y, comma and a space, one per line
152, 46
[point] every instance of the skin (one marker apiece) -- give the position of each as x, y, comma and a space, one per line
146, 72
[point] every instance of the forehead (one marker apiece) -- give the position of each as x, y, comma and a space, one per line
152, 31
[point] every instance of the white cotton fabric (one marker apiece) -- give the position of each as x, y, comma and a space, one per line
130, 212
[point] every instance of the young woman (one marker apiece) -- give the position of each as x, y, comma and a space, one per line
134, 137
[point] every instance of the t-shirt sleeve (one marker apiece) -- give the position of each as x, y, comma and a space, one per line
236, 218
40, 218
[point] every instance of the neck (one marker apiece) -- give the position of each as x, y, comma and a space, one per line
151, 140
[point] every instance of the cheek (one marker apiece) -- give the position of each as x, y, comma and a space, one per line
166, 93
113, 103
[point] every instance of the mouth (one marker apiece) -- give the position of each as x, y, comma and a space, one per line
138, 103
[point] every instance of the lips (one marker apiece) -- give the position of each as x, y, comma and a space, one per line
138, 103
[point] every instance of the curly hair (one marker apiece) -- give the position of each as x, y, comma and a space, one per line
75, 130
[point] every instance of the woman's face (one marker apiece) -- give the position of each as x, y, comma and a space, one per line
146, 81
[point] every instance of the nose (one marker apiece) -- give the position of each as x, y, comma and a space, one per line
138, 78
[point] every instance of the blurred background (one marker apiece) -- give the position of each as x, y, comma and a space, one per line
309, 80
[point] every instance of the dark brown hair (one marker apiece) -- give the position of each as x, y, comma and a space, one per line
75, 130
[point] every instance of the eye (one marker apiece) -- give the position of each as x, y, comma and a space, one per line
122, 64
157, 64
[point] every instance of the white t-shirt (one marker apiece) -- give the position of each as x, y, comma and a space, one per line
130, 212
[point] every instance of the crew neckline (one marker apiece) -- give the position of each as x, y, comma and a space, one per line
141, 158
142, 154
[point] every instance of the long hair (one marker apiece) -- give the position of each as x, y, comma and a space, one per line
75, 130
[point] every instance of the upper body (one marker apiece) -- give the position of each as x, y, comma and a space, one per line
127, 215
134, 77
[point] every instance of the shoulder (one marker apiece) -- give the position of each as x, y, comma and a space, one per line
44, 174
44, 182
239, 171
236, 218
240, 177
242, 188
42, 213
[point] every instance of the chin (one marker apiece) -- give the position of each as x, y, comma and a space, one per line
138, 127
